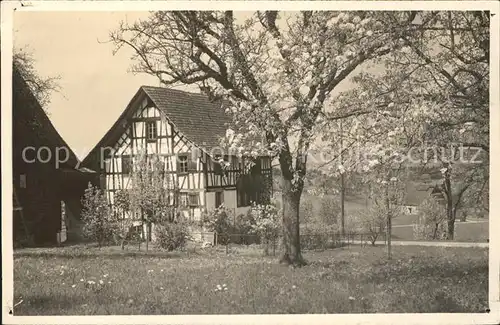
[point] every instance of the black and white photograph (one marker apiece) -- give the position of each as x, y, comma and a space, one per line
250, 159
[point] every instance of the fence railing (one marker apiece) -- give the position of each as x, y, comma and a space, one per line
308, 242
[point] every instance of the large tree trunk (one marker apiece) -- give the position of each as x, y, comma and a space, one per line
291, 231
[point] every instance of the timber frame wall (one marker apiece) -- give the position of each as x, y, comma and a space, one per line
243, 179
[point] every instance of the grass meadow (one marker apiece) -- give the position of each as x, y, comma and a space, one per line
403, 224
83, 280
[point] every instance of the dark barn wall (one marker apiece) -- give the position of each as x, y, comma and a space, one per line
45, 184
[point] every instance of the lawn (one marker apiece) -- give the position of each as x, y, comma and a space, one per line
464, 232
86, 281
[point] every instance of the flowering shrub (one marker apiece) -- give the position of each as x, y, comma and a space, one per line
171, 235
230, 228
218, 221
267, 223
98, 223
244, 230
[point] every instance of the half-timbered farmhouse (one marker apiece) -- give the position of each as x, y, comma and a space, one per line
184, 130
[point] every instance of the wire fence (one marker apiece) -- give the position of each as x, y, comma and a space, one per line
308, 242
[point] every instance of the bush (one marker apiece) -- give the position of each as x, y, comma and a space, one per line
267, 223
230, 229
329, 208
372, 222
171, 235
319, 236
244, 230
219, 221
431, 224
98, 221
306, 210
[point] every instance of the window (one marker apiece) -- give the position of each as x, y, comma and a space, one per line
243, 198
151, 131
193, 199
107, 165
219, 198
256, 168
22, 181
193, 165
242, 191
218, 168
184, 199
182, 164
251, 188
126, 165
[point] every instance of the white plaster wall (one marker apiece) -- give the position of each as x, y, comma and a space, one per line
230, 199
210, 204
242, 210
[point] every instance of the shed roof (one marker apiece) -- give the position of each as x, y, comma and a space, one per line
30, 124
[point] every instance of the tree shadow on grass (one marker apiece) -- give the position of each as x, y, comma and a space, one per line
419, 269
105, 254
60, 304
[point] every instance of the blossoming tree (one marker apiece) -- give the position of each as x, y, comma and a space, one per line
434, 94
151, 197
278, 71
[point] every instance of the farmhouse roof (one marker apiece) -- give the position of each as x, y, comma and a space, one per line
31, 125
201, 120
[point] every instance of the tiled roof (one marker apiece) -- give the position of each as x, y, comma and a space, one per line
202, 121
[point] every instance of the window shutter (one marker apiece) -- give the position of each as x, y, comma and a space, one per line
126, 165
192, 164
217, 168
102, 181
219, 198
193, 199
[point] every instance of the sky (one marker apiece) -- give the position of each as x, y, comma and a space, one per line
95, 84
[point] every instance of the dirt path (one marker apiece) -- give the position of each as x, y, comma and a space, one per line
458, 223
428, 243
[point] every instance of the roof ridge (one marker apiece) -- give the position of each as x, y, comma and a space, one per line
175, 89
